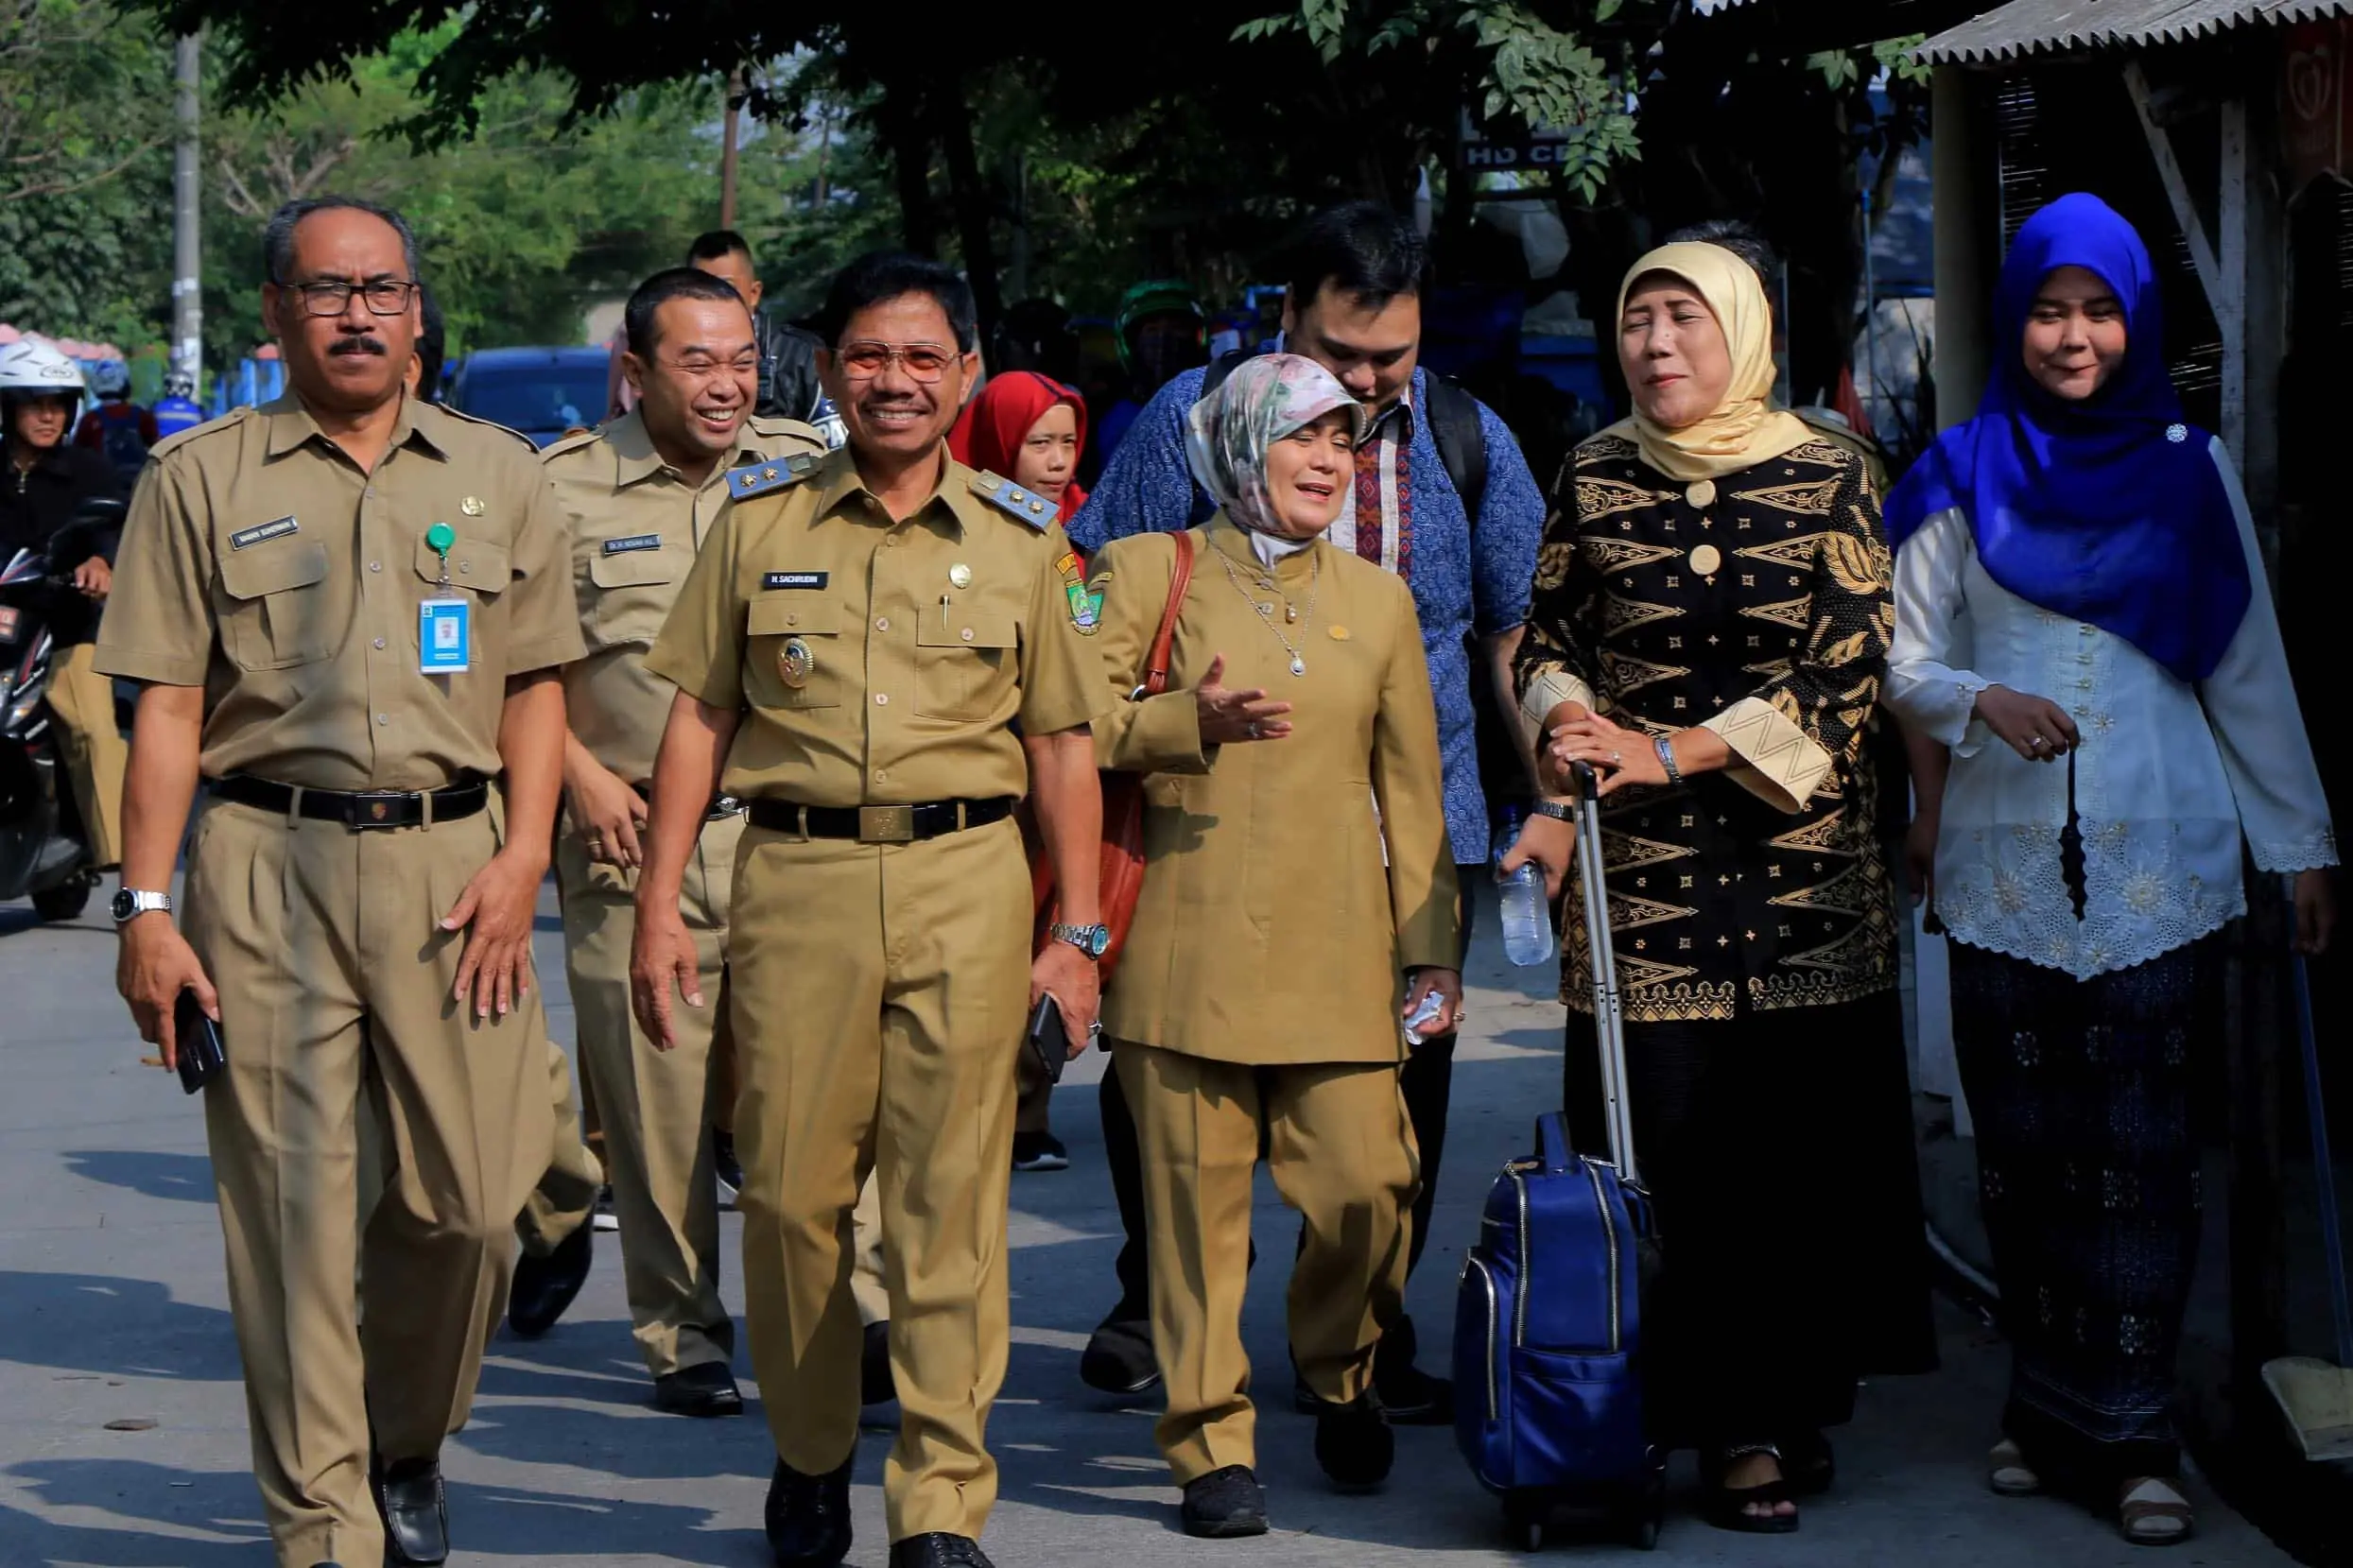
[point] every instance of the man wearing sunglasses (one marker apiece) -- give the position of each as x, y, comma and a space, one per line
853, 649
346, 610
641, 495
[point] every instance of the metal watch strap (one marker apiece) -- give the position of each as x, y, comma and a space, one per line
1083, 937
130, 903
1560, 811
1667, 759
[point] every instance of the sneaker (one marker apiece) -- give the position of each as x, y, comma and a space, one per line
1035, 1151
1224, 1503
730, 1168
604, 1218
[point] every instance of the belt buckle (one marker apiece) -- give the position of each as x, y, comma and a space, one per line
886, 824
371, 810
723, 806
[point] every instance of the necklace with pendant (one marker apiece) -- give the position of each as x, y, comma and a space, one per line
1265, 611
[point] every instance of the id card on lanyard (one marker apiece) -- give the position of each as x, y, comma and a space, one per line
445, 625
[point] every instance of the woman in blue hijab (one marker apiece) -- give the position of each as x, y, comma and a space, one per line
2090, 669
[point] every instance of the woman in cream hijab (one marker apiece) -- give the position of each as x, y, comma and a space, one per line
1277, 949
1709, 632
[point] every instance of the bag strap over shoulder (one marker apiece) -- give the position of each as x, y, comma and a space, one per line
1164, 641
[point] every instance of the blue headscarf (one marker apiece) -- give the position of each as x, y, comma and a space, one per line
2110, 510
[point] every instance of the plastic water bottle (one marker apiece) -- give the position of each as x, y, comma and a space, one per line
1527, 924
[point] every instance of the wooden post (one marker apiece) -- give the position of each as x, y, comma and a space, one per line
736, 93
1963, 295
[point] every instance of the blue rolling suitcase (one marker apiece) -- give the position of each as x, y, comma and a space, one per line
1548, 1325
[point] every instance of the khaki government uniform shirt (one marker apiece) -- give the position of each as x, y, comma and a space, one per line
636, 527
884, 663
1290, 883
260, 563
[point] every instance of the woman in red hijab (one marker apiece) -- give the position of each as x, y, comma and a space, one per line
1031, 428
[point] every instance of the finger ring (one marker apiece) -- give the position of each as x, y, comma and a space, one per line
1253, 728
2038, 743
1617, 757
1095, 1028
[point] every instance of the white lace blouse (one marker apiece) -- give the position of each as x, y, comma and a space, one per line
2166, 781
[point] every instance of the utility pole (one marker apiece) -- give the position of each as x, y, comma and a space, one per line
187, 346
727, 148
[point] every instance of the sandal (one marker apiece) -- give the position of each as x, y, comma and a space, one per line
2153, 1512
2008, 1473
1726, 1507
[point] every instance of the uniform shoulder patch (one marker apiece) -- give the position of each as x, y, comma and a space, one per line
528, 444
570, 444
1036, 510
228, 421
775, 428
759, 478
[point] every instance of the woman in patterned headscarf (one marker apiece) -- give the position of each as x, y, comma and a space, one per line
1709, 632
1274, 947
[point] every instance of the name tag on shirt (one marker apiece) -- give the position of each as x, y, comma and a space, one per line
634, 542
444, 636
278, 529
794, 580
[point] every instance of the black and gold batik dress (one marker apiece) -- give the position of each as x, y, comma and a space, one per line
1753, 921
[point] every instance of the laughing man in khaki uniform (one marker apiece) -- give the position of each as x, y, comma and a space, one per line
856, 646
358, 903
640, 496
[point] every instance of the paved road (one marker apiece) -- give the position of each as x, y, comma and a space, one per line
112, 1314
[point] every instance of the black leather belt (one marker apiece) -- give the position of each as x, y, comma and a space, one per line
878, 824
356, 809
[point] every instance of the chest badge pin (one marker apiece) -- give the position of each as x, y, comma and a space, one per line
959, 576
471, 505
794, 662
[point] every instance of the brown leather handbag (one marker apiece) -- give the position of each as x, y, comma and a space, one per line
1122, 874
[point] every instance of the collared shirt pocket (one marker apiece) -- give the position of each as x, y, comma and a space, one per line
634, 593
475, 564
795, 655
278, 612
966, 662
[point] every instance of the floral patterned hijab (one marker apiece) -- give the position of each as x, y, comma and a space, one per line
1229, 433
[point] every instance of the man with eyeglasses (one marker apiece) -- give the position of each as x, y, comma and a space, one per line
878, 651
346, 610
641, 495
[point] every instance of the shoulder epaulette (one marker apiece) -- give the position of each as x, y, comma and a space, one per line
776, 428
493, 424
759, 478
572, 442
228, 421
1036, 510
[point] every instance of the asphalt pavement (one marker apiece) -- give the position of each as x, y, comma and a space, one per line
123, 1435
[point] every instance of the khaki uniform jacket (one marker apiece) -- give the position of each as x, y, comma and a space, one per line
884, 662
635, 528
260, 563
1271, 929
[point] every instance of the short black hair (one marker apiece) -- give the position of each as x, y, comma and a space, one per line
278, 237
673, 282
1362, 250
432, 345
716, 243
1742, 238
882, 275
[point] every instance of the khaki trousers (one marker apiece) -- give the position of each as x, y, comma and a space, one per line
333, 975
94, 748
566, 1198
880, 993
1341, 1149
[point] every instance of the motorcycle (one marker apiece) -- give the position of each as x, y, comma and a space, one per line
45, 852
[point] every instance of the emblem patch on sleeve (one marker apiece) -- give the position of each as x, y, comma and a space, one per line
1085, 604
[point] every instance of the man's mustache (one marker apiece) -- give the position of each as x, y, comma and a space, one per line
357, 344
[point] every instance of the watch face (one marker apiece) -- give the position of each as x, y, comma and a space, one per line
123, 906
1099, 941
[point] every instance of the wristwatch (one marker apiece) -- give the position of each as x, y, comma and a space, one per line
130, 903
1560, 811
1093, 940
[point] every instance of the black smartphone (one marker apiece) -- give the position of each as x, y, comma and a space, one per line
1047, 1041
196, 1040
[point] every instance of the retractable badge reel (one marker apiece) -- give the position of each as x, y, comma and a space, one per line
445, 625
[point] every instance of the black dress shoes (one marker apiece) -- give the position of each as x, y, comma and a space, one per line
1410, 1396
939, 1550
876, 1382
1224, 1503
1353, 1444
1119, 1358
706, 1389
543, 1287
416, 1516
808, 1516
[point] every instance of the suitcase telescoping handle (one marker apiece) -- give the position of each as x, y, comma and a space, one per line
1609, 1022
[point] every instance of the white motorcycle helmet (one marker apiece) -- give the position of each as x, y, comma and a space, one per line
31, 368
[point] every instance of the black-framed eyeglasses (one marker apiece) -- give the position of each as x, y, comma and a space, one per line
866, 359
383, 296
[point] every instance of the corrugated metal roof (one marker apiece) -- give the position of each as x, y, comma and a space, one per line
2024, 27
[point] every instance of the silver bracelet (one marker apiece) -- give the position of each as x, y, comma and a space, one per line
1667, 759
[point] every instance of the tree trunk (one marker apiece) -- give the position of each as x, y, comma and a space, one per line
968, 190
899, 120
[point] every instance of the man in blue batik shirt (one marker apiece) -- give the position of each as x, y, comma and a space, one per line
1354, 305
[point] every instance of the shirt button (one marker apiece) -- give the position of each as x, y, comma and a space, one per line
968, 634
882, 775
379, 642
375, 566
882, 699
384, 719
882, 622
